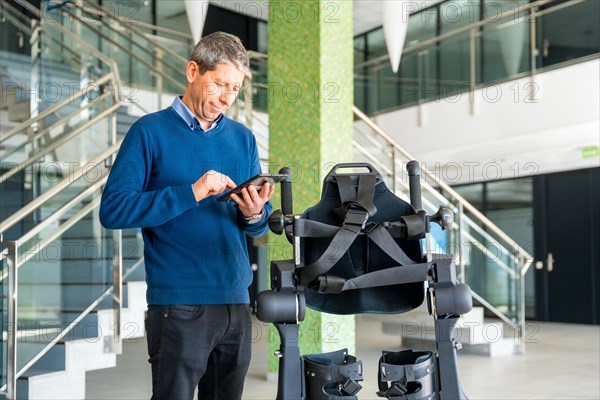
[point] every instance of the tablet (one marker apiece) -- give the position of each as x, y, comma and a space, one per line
256, 181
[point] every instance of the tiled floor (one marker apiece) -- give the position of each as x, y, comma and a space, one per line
562, 361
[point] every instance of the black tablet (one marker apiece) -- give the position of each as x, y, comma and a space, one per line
257, 181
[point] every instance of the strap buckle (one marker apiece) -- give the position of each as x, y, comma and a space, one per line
369, 227
397, 389
350, 387
355, 218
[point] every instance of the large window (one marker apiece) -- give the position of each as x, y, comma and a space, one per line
499, 49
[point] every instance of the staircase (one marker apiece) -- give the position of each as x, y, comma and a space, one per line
81, 289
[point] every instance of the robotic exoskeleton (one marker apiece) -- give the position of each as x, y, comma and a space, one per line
359, 251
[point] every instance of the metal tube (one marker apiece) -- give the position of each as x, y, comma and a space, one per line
12, 263
75, 201
65, 226
93, 50
394, 173
443, 185
461, 259
50, 193
51, 110
58, 143
45, 132
117, 342
456, 32
473, 70
533, 51
521, 346
495, 310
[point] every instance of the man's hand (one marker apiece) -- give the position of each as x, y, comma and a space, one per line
211, 183
251, 201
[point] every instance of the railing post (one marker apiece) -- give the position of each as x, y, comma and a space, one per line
533, 50
248, 99
158, 54
472, 71
459, 223
394, 174
520, 347
12, 265
422, 86
117, 344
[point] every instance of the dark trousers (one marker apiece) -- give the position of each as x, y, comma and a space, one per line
204, 346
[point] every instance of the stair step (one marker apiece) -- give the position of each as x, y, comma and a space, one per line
63, 302
35, 371
19, 111
61, 385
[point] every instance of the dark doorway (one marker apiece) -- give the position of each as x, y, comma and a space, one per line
566, 232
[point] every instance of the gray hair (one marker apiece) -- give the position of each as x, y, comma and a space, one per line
220, 47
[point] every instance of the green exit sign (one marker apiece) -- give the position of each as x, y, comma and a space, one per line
590, 151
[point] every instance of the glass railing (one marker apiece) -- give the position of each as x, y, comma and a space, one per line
146, 57
62, 267
517, 40
491, 262
55, 162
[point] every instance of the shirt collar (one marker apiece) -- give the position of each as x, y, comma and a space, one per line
189, 118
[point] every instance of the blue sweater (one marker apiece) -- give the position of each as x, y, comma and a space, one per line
195, 253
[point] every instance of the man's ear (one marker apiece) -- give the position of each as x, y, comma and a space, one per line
192, 71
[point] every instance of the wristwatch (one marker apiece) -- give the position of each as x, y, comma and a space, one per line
254, 219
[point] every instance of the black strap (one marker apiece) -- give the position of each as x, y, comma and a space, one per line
390, 276
415, 225
337, 366
345, 188
391, 394
385, 277
366, 192
407, 371
382, 238
358, 206
310, 228
352, 196
341, 242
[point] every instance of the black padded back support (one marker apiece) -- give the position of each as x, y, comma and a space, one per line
363, 256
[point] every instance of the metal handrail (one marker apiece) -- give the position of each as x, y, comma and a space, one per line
57, 143
65, 226
443, 185
474, 26
101, 12
127, 27
53, 109
91, 49
56, 189
26, 28
75, 201
494, 309
523, 260
48, 129
10, 387
132, 54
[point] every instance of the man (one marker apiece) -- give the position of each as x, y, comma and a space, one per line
165, 179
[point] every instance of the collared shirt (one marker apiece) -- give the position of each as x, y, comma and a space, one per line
190, 119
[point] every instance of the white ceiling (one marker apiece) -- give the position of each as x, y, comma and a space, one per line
367, 13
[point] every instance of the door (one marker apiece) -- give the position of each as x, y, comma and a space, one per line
566, 235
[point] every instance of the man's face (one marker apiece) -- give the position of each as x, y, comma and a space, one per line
215, 91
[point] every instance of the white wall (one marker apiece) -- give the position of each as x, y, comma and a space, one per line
506, 132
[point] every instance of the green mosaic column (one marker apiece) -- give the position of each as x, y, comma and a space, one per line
310, 127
